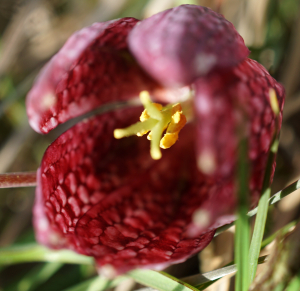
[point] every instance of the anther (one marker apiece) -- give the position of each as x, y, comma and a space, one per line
154, 120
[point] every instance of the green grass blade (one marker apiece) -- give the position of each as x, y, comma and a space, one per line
284, 230
242, 251
38, 253
160, 281
279, 195
200, 279
96, 284
279, 287
258, 233
274, 199
223, 272
204, 280
35, 277
262, 211
294, 284
242, 231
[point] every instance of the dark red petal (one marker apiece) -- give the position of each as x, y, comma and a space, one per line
224, 101
144, 223
70, 180
93, 67
216, 210
178, 45
44, 232
107, 198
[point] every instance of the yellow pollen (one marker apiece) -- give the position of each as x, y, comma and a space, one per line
168, 140
154, 120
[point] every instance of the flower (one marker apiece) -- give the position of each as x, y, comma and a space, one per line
108, 198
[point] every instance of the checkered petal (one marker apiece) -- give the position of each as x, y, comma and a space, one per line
230, 105
178, 45
94, 67
107, 198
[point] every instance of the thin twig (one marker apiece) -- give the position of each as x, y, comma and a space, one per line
24, 179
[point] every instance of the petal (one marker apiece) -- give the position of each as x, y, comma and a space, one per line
216, 210
70, 174
93, 68
140, 226
44, 232
224, 101
107, 198
143, 224
178, 45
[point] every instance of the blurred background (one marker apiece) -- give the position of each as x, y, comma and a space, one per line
31, 31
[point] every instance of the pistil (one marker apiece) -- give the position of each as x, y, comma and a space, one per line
155, 119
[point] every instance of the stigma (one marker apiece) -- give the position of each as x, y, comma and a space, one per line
162, 124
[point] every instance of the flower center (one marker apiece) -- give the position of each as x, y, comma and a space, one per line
156, 119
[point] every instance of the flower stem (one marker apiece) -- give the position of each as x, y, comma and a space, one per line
12, 180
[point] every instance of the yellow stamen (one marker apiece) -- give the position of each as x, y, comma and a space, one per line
152, 111
177, 123
141, 133
274, 101
155, 120
135, 129
145, 114
176, 108
168, 140
149, 136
